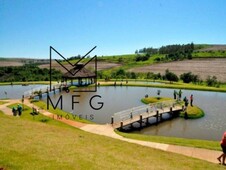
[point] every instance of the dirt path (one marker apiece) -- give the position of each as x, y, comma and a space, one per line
108, 130
202, 67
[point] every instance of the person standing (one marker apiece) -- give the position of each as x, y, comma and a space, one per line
180, 94
191, 100
19, 108
185, 102
14, 111
175, 94
223, 146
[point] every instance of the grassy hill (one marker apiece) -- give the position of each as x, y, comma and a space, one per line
27, 144
108, 66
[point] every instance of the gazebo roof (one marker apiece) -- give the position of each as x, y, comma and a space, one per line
79, 72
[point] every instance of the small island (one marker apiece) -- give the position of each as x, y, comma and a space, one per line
193, 112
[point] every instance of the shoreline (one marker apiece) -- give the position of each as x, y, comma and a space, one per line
137, 83
173, 85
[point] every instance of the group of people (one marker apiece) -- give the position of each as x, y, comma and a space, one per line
17, 110
223, 146
179, 94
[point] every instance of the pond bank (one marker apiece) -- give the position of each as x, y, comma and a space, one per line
164, 84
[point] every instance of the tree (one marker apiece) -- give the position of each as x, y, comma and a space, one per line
189, 56
133, 75
170, 76
186, 77
120, 73
211, 81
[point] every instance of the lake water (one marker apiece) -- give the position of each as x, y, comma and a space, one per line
16, 91
116, 99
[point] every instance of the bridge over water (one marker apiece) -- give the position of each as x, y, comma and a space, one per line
141, 114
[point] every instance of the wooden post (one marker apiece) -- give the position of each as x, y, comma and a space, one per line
171, 112
112, 120
140, 120
121, 125
131, 125
160, 117
147, 121
157, 117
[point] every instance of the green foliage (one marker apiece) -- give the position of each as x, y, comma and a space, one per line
120, 73
189, 77
173, 49
209, 54
28, 72
212, 81
170, 76
148, 50
200, 46
142, 57
193, 112
3, 102
148, 100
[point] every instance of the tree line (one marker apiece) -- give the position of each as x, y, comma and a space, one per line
28, 72
172, 52
188, 77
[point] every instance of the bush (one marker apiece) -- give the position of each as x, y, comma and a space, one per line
189, 77
212, 81
170, 76
142, 58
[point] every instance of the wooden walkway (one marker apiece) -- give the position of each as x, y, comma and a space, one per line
141, 114
45, 90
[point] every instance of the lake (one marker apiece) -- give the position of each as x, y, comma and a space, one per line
118, 98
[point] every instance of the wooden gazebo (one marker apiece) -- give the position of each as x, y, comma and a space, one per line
83, 76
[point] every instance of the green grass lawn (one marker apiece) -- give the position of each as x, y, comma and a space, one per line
213, 145
59, 112
172, 85
155, 99
209, 54
193, 112
29, 83
27, 144
27, 114
3, 102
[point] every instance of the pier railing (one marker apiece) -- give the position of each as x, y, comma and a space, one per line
42, 88
149, 109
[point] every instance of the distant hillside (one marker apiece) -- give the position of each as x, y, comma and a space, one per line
21, 61
206, 47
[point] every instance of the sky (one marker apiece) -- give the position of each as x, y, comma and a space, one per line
29, 27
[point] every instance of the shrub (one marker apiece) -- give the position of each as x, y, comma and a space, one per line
189, 77
170, 76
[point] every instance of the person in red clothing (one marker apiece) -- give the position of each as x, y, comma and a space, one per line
223, 146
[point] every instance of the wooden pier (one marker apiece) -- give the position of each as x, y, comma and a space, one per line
143, 113
39, 91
